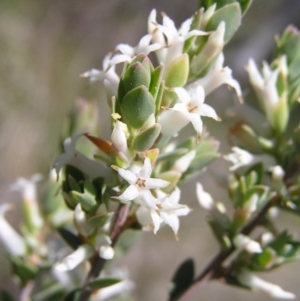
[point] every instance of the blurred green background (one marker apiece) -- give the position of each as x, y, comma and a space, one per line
46, 44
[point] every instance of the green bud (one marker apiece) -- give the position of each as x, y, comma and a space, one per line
177, 72
137, 106
146, 139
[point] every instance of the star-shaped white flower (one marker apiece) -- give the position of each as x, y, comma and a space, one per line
140, 183
174, 38
107, 75
190, 108
167, 209
144, 47
240, 158
217, 76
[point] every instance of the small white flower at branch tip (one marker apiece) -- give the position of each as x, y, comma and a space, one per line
189, 108
140, 183
244, 242
182, 164
240, 158
205, 199
167, 210
264, 84
169, 37
250, 280
107, 75
278, 173
92, 169
217, 76
144, 47
11, 240
71, 261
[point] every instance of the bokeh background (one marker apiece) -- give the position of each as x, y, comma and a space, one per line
46, 44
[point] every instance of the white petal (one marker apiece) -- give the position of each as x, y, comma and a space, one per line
129, 194
128, 175
195, 119
146, 169
182, 164
209, 111
125, 49
171, 220
156, 219
152, 183
169, 127
182, 94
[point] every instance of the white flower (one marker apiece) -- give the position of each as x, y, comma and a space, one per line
92, 169
174, 38
107, 75
140, 183
167, 209
30, 201
217, 76
265, 86
204, 198
119, 137
13, 243
244, 242
190, 108
248, 279
103, 244
144, 47
240, 158
210, 51
71, 261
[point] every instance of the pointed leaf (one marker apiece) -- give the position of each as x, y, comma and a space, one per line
69, 237
183, 278
103, 282
137, 106
146, 139
177, 72
103, 145
232, 16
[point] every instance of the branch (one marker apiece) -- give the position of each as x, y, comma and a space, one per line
213, 268
98, 262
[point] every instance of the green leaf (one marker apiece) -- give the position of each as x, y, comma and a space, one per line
74, 295
135, 76
232, 16
98, 185
69, 237
245, 4
177, 72
23, 270
183, 278
156, 78
86, 200
103, 282
137, 106
146, 139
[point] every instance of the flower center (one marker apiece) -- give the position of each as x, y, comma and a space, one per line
191, 107
140, 183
